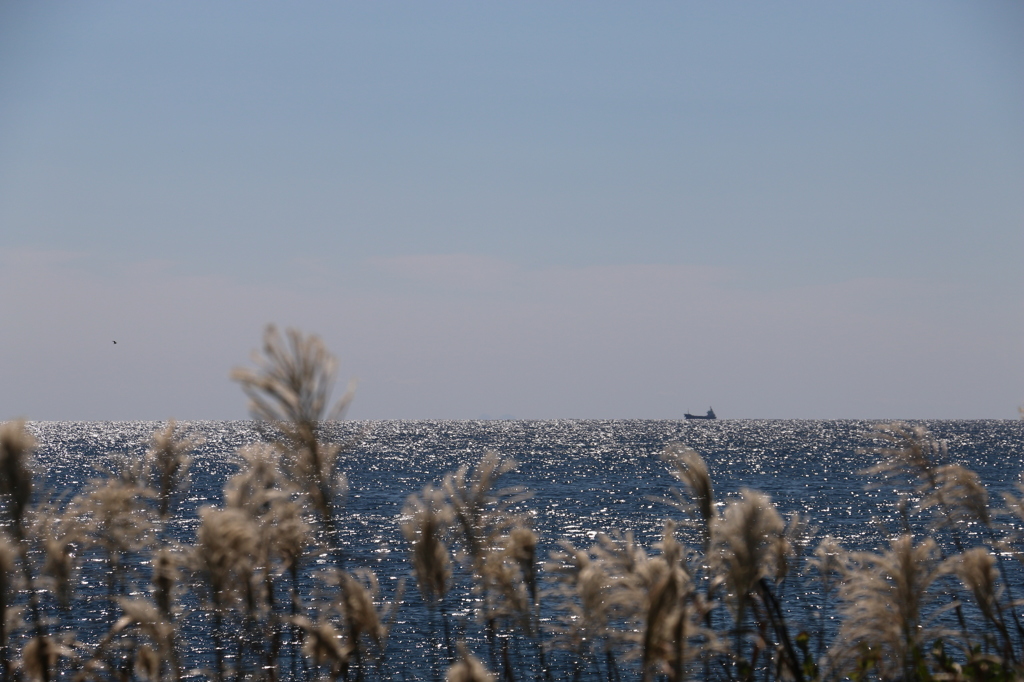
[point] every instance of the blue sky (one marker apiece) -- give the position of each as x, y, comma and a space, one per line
538, 210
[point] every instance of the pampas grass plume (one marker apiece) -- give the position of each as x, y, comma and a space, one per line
427, 517
468, 668
324, 644
746, 542
976, 568
168, 464
16, 444
884, 596
689, 467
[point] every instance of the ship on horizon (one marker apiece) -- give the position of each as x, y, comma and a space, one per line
709, 415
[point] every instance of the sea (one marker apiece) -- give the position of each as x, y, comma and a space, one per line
584, 477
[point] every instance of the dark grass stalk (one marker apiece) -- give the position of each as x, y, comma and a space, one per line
112, 609
535, 634
435, 655
163, 581
273, 651
492, 637
239, 667
218, 644
506, 662
709, 623
5, 654
739, 630
295, 638
575, 666
1010, 601
357, 652
611, 666
447, 636
38, 623
777, 620
545, 669
957, 608
679, 635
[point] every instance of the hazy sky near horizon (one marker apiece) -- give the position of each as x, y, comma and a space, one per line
530, 210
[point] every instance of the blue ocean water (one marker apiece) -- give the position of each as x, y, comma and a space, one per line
585, 477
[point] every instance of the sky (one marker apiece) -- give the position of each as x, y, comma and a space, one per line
531, 210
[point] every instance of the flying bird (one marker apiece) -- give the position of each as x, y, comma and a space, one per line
115, 343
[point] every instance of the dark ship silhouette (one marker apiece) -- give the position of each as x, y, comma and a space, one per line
709, 415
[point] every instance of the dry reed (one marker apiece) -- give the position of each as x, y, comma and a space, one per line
615, 610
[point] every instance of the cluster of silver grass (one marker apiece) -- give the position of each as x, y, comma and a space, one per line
936, 603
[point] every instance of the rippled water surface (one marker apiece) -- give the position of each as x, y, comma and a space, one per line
586, 477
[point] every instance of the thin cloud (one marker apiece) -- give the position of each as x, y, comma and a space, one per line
459, 270
598, 341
